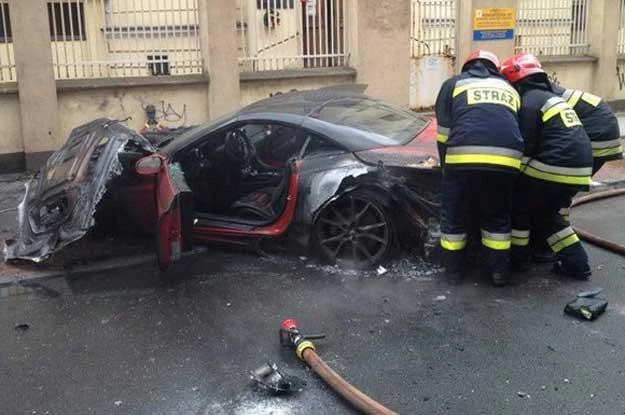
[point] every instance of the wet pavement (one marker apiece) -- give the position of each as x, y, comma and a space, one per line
137, 341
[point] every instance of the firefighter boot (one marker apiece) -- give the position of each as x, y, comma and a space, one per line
500, 278
573, 262
497, 264
575, 271
453, 262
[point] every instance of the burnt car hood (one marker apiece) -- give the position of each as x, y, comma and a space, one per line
421, 152
61, 198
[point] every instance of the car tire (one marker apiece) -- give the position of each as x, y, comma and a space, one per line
356, 230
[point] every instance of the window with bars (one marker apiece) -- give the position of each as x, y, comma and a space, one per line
433, 27
67, 21
6, 35
123, 38
552, 27
292, 34
621, 30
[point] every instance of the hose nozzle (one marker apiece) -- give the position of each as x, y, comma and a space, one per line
291, 336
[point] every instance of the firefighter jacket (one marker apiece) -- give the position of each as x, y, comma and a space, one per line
598, 120
557, 149
477, 120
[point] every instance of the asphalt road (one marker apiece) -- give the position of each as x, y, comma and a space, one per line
142, 342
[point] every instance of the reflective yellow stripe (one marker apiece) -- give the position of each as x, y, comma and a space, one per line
591, 99
555, 110
496, 244
558, 178
482, 83
453, 245
564, 213
565, 243
441, 138
519, 241
561, 234
606, 144
575, 98
483, 159
604, 152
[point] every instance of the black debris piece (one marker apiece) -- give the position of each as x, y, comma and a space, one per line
587, 305
268, 378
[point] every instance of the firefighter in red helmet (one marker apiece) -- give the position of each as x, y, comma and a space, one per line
557, 163
602, 128
598, 119
480, 147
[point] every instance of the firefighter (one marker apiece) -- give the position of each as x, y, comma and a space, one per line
557, 164
481, 147
600, 124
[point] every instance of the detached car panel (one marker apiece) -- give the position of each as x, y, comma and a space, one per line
61, 199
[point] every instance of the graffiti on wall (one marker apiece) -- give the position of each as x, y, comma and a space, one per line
163, 116
167, 112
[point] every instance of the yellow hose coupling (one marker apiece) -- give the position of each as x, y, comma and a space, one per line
306, 344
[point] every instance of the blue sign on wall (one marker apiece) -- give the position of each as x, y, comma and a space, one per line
493, 34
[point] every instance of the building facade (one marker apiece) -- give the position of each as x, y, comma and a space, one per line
65, 62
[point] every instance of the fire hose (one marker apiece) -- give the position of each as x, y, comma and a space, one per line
290, 335
594, 239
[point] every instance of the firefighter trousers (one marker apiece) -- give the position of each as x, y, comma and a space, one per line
492, 193
541, 205
539, 239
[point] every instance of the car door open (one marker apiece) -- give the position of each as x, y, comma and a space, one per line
174, 202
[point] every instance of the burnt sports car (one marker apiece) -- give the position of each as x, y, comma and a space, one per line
353, 175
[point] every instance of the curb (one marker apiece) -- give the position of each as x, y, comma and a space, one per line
93, 268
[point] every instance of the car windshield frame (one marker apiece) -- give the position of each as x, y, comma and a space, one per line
396, 137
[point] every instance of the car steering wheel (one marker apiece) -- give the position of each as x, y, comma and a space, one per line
238, 147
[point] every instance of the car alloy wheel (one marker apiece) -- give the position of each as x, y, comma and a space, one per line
354, 231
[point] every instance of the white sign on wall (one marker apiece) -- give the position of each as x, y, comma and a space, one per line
311, 8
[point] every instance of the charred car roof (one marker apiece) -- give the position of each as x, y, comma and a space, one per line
353, 121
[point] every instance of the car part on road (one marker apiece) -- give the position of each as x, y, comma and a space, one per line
594, 239
267, 377
589, 293
587, 306
290, 335
22, 327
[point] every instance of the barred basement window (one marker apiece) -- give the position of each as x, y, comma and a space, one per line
275, 4
67, 21
6, 35
159, 64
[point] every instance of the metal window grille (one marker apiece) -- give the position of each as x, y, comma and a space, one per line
7, 60
552, 27
292, 34
433, 30
124, 38
621, 30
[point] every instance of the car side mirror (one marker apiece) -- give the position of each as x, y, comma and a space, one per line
149, 165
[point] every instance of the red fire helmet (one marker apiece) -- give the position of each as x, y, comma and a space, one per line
482, 54
520, 66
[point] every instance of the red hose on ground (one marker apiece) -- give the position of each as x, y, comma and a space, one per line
361, 401
593, 197
290, 335
592, 238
